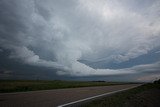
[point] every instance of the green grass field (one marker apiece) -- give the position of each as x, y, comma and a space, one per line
32, 85
130, 97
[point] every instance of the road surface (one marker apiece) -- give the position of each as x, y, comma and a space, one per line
54, 98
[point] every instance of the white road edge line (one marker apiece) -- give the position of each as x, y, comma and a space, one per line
63, 105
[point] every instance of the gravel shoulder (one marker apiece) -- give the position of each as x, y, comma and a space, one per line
147, 95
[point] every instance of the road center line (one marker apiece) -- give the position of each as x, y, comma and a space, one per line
89, 98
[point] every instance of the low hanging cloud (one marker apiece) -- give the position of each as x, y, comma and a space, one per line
57, 34
149, 78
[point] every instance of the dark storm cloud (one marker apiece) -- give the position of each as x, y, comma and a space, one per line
58, 34
19, 31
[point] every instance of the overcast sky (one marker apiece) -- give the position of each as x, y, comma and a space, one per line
93, 39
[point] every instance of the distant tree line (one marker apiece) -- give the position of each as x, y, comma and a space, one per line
157, 82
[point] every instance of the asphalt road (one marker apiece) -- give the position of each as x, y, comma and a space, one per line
54, 98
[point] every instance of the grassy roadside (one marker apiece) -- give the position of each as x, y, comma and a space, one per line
146, 95
32, 85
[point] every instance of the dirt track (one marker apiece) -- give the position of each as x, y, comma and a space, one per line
53, 98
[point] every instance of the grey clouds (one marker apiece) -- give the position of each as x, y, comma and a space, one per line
59, 34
